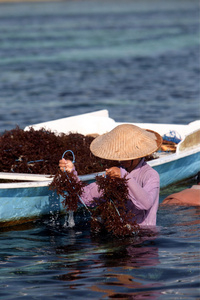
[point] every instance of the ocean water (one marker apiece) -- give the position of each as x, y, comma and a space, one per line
140, 60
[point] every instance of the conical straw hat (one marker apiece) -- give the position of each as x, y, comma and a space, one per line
126, 142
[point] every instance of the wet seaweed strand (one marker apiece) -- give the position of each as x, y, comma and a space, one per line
69, 187
110, 214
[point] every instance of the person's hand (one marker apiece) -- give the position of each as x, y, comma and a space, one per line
66, 165
113, 172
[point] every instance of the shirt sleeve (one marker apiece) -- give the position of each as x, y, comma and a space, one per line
143, 195
90, 191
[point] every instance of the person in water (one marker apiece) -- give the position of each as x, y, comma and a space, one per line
186, 197
129, 145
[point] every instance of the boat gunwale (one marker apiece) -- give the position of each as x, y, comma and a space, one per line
32, 184
172, 157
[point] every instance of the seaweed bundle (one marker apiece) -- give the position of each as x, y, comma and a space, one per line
69, 187
110, 214
39, 151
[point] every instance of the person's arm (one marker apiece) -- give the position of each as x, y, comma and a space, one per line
143, 197
90, 192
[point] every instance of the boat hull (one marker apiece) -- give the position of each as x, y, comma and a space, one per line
176, 170
34, 199
20, 205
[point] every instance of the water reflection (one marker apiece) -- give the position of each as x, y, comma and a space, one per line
110, 264
151, 265
188, 218
48, 259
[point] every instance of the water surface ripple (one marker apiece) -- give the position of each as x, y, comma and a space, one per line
140, 60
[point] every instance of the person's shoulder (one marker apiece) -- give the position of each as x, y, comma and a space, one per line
149, 170
149, 174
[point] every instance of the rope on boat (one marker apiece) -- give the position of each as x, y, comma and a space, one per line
33, 161
28, 163
116, 210
73, 161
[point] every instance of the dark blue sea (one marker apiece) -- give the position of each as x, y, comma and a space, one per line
140, 60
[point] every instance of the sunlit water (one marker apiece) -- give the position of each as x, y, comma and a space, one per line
140, 60
43, 261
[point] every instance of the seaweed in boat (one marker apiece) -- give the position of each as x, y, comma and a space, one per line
39, 151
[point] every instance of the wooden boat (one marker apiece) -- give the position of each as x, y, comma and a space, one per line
31, 198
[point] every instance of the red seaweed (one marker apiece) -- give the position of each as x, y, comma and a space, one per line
69, 187
39, 151
110, 214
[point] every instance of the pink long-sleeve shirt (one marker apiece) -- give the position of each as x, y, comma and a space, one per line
143, 185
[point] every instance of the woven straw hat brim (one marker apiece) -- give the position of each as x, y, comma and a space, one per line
126, 142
